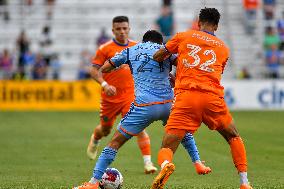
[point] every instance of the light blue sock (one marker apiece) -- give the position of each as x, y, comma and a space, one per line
188, 143
106, 158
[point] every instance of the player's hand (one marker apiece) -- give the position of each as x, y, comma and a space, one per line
110, 90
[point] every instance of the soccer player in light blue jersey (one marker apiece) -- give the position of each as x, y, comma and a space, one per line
153, 101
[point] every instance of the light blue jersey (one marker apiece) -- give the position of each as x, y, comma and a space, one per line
152, 102
151, 79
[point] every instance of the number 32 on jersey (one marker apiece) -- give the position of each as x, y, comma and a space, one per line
202, 65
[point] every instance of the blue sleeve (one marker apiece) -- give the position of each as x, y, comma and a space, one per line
120, 58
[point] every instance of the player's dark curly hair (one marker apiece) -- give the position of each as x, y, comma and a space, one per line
120, 19
209, 15
153, 36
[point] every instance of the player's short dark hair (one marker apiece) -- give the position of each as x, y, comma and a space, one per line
120, 19
153, 36
209, 15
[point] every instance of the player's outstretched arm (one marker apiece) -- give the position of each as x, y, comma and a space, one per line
161, 55
96, 74
107, 67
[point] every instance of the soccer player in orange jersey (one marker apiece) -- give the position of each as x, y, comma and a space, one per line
199, 95
118, 92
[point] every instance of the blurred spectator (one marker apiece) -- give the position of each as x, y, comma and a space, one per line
280, 28
39, 68
50, 6
165, 22
55, 67
244, 74
4, 10
46, 44
84, 67
29, 59
103, 37
23, 45
269, 9
6, 65
19, 74
250, 7
271, 38
273, 57
194, 24
167, 2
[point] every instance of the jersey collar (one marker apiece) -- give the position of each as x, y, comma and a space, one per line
119, 44
211, 33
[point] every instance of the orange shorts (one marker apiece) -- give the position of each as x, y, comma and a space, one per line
191, 108
109, 111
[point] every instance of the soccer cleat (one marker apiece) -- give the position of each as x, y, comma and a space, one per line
149, 168
163, 176
245, 186
92, 149
201, 169
88, 185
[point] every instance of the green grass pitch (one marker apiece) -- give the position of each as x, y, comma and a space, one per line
46, 150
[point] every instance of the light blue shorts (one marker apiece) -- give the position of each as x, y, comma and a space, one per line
138, 118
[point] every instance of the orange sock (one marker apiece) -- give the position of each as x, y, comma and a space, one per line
238, 152
165, 154
144, 144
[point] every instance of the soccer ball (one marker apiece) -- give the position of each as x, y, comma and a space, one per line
111, 179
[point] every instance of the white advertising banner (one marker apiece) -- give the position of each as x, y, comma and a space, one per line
254, 94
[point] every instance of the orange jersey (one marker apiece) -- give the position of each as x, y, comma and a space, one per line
121, 78
201, 61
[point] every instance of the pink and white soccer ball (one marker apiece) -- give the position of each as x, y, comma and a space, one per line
111, 179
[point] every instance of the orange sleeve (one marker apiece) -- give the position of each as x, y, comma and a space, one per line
99, 59
172, 44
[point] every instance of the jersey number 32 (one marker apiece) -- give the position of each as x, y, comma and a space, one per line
202, 66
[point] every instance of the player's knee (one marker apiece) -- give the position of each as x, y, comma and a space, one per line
106, 130
117, 140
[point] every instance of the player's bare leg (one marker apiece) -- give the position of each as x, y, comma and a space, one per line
143, 141
99, 133
117, 140
238, 152
165, 156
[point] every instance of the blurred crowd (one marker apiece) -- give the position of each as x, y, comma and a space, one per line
273, 30
25, 63
28, 64
44, 62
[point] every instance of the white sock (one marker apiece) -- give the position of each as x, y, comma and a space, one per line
164, 163
93, 180
147, 159
243, 177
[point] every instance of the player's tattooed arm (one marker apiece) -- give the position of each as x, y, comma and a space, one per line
107, 67
95, 74
161, 55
